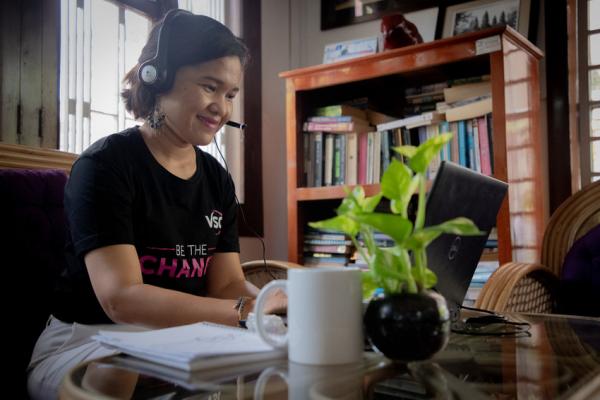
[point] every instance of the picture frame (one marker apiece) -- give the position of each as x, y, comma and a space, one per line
481, 14
339, 13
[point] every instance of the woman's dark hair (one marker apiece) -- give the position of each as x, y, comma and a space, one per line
192, 39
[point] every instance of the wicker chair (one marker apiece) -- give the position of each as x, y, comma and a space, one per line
524, 287
256, 273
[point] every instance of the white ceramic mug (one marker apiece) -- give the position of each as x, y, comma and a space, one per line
313, 382
324, 315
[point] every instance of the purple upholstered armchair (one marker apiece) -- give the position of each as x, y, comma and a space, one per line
33, 227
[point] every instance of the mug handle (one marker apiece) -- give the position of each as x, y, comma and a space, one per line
263, 378
259, 313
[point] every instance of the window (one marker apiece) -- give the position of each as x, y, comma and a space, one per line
589, 77
100, 42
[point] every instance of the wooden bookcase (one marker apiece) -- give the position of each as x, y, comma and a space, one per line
512, 63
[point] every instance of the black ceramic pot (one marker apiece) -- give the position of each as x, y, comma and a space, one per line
408, 327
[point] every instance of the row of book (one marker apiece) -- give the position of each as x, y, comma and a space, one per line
485, 268
326, 248
329, 248
349, 144
361, 158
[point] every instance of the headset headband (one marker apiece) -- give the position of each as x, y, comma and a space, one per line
155, 72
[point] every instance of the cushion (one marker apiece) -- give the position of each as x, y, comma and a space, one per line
32, 249
580, 276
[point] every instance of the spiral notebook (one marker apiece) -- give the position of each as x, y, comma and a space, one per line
192, 347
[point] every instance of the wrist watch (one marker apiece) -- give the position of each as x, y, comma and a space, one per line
240, 306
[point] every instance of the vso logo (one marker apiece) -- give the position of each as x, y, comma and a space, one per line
214, 219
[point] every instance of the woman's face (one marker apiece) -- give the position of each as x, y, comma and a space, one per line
201, 99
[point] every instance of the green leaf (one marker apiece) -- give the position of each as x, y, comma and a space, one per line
426, 277
383, 266
407, 151
358, 193
348, 206
401, 205
396, 206
395, 226
427, 151
340, 223
369, 284
458, 226
421, 238
395, 181
369, 204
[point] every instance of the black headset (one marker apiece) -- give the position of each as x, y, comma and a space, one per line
155, 72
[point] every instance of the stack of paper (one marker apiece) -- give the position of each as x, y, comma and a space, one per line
192, 347
205, 379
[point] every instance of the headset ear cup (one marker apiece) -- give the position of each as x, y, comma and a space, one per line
148, 74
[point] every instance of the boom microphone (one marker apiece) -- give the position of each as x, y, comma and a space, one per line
238, 125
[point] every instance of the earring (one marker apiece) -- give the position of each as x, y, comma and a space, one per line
156, 119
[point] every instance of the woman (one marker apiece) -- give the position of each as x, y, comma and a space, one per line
153, 235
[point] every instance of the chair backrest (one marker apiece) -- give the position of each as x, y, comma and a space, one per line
259, 275
33, 221
573, 219
519, 287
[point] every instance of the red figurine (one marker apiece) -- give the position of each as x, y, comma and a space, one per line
397, 31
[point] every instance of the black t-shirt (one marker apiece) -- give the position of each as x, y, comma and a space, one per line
119, 194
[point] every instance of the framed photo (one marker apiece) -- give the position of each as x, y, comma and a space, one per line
338, 13
483, 14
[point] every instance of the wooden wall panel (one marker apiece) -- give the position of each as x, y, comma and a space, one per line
11, 61
30, 51
31, 73
50, 72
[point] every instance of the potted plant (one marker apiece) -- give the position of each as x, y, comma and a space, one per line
407, 321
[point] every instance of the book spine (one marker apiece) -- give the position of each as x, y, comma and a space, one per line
351, 158
362, 157
490, 128
318, 159
340, 110
470, 145
324, 236
328, 165
333, 119
316, 248
343, 141
444, 127
484, 147
306, 148
335, 127
376, 157
454, 156
476, 145
385, 149
462, 144
328, 242
337, 164
369, 157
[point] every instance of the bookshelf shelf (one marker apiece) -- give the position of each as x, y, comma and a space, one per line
382, 78
330, 192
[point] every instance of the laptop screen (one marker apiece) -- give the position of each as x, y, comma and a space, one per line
460, 192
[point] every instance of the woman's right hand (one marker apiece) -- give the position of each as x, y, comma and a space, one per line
276, 303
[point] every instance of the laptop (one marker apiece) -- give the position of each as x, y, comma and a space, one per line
460, 192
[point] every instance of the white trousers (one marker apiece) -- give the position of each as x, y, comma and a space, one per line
60, 347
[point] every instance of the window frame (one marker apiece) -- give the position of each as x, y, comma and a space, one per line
585, 103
